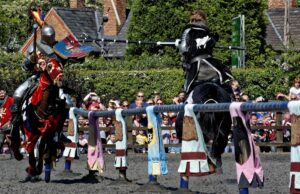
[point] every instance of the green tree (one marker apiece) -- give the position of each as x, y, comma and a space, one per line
16, 22
165, 19
154, 21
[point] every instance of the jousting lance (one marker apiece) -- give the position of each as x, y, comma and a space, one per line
175, 43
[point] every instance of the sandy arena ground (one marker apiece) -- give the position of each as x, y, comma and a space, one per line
276, 170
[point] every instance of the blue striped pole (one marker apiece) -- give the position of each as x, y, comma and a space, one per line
219, 107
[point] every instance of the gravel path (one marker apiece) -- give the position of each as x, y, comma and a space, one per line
276, 171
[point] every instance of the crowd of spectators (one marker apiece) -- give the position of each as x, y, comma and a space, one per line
261, 122
141, 136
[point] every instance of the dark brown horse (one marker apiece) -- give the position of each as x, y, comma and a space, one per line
43, 117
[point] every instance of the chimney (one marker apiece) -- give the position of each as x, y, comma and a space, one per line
77, 4
115, 10
273, 4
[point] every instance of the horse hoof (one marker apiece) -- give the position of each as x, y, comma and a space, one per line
15, 148
47, 177
35, 179
47, 180
27, 179
18, 156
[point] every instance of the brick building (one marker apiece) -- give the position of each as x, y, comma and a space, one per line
275, 28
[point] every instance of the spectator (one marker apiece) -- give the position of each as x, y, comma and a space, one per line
230, 147
82, 143
294, 91
253, 120
111, 141
286, 131
245, 98
150, 101
139, 98
159, 102
141, 140
236, 90
102, 132
174, 140
137, 121
94, 106
90, 98
156, 97
125, 104
82, 122
166, 135
109, 122
180, 98
273, 136
113, 104
264, 137
140, 119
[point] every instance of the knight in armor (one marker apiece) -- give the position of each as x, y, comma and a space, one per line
31, 65
196, 47
207, 80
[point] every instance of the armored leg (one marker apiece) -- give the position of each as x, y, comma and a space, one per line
16, 109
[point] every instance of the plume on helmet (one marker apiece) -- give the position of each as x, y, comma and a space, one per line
38, 17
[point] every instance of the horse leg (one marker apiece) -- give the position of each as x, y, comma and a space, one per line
50, 154
15, 142
2, 139
221, 139
31, 169
41, 151
179, 125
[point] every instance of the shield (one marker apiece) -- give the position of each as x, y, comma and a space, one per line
69, 47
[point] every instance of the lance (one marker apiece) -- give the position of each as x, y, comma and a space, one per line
34, 59
175, 43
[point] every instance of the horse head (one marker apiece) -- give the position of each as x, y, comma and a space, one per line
55, 72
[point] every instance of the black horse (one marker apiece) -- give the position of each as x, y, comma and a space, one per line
215, 126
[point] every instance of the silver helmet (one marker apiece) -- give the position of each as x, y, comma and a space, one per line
48, 35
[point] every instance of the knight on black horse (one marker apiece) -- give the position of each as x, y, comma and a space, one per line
206, 81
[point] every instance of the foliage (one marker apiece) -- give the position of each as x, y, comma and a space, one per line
115, 84
11, 74
138, 63
154, 21
16, 22
266, 82
111, 80
165, 19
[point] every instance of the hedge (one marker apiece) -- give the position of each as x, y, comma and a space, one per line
118, 79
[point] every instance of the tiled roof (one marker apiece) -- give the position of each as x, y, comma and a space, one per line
80, 20
275, 28
88, 21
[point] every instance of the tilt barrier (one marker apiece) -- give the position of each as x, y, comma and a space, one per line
195, 158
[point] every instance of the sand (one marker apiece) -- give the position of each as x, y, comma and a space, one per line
276, 171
